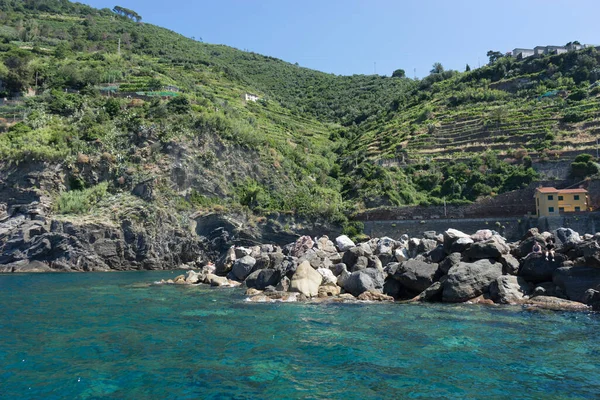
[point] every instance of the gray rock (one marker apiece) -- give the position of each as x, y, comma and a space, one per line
283, 285
306, 280
567, 236
385, 246
437, 255
351, 256
344, 243
482, 235
393, 288
243, 267
431, 235
450, 261
343, 277
433, 292
510, 264
468, 280
460, 245
536, 268
225, 262
575, 281
263, 278
545, 289
416, 276
401, 254
361, 263
301, 246
451, 236
426, 245
328, 276
363, 281
556, 303
492, 248
337, 269
366, 248
242, 252
509, 289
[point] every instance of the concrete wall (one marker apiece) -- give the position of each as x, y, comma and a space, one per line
512, 228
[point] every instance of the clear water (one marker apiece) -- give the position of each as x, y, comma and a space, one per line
93, 336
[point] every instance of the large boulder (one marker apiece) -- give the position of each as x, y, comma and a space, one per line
555, 303
437, 255
262, 278
306, 280
536, 268
482, 235
510, 264
568, 237
369, 279
451, 236
401, 254
575, 281
344, 243
385, 245
242, 267
302, 245
492, 248
449, 262
509, 289
225, 262
468, 280
416, 276
433, 292
460, 245
526, 245
328, 276
393, 288
426, 245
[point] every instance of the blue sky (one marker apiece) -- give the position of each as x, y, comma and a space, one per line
349, 36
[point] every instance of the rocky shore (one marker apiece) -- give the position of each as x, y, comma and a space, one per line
448, 267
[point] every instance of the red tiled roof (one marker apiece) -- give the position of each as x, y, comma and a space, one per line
555, 190
572, 191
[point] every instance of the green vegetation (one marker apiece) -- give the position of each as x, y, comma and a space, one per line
169, 109
81, 201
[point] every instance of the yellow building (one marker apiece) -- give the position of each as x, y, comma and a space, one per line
550, 201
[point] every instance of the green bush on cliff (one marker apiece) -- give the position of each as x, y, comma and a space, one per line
80, 201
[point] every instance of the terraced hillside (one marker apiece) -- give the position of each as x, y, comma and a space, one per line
169, 110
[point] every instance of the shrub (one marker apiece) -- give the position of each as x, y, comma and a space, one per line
81, 201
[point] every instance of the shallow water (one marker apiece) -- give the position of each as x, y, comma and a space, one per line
98, 335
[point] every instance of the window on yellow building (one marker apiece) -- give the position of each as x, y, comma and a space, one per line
550, 197
577, 208
561, 209
560, 198
551, 209
576, 197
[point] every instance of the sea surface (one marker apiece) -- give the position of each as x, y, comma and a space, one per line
102, 336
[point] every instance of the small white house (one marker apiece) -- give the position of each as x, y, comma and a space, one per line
250, 97
522, 53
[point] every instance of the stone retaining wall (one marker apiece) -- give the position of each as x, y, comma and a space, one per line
512, 228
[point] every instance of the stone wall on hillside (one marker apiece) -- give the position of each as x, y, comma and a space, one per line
513, 228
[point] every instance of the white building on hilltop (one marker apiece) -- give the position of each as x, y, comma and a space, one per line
250, 97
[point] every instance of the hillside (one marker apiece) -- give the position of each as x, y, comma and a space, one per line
129, 116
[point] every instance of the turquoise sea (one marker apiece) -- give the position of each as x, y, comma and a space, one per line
98, 336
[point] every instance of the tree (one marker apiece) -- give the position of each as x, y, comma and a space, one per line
399, 73
125, 12
494, 56
467, 68
437, 68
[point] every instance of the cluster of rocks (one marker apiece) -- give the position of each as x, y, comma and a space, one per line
31, 241
449, 267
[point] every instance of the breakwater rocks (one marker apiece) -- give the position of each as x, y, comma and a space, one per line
450, 267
